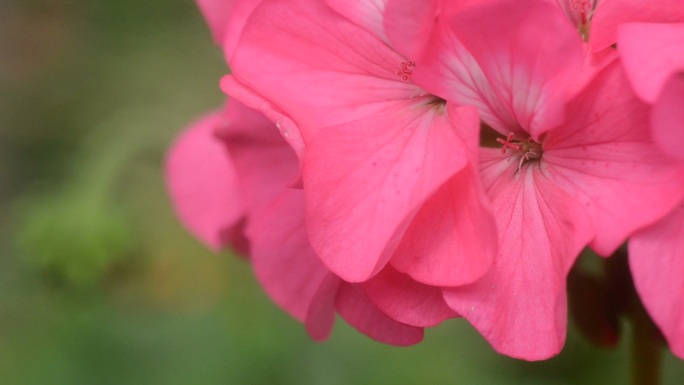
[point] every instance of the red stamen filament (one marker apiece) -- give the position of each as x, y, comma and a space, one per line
507, 143
531, 149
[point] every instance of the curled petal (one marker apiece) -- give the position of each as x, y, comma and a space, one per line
355, 307
407, 301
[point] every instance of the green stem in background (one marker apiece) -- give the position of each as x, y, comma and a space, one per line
647, 342
647, 348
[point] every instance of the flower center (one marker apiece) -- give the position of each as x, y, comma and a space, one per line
528, 149
406, 70
585, 8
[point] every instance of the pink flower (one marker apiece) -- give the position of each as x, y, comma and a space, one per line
577, 168
653, 55
229, 177
387, 170
254, 163
371, 197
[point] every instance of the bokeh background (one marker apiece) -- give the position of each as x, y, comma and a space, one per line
99, 284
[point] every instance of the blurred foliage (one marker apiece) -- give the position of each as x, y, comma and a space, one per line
100, 285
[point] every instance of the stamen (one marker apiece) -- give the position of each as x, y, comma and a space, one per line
508, 144
406, 70
584, 8
530, 149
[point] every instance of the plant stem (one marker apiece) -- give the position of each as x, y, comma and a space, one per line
646, 347
647, 342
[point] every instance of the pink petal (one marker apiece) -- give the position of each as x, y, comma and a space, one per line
355, 307
264, 162
240, 12
656, 258
516, 74
284, 263
409, 24
404, 300
611, 14
361, 200
319, 67
286, 126
651, 53
321, 316
367, 14
450, 71
266, 165
605, 156
520, 305
216, 13
667, 118
226, 19
461, 242
202, 182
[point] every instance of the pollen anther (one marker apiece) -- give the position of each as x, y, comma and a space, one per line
406, 70
530, 149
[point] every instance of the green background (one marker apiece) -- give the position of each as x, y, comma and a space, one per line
99, 284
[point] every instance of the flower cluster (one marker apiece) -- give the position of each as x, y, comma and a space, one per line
403, 162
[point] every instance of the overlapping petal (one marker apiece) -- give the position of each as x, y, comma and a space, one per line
287, 128
613, 13
450, 241
265, 164
667, 117
283, 261
606, 156
226, 19
651, 53
203, 184
656, 258
367, 14
383, 169
317, 66
520, 305
355, 307
515, 74
405, 300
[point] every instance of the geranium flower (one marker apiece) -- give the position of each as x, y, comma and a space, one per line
387, 170
252, 160
576, 168
229, 178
